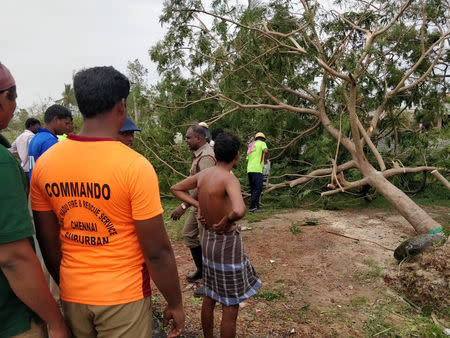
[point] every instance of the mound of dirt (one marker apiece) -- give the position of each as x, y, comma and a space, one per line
425, 278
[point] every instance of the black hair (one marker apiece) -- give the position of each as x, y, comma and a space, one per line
11, 92
216, 133
260, 138
226, 147
31, 122
98, 89
199, 130
57, 111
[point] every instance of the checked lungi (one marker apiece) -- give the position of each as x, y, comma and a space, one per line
228, 276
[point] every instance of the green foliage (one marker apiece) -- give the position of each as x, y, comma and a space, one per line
220, 62
270, 295
384, 321
294, 228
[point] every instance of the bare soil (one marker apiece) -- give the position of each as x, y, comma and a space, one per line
332, 276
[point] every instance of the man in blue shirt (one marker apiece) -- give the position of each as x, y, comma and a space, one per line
57, 120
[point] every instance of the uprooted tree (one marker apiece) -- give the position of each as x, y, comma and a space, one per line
342, 68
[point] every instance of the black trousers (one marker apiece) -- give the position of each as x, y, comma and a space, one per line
256, 185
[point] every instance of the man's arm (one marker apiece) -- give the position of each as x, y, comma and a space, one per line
233, 190
23, 271
180, 190
160, 260
47, 233
13, 150
265, 153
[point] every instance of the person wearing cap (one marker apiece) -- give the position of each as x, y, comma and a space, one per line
256, 157
126, 133
25, 299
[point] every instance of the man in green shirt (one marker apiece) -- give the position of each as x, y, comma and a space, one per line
256, 157
24, 295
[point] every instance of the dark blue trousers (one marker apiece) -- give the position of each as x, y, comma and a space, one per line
256, 186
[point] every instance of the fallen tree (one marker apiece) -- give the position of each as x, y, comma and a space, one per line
342, 68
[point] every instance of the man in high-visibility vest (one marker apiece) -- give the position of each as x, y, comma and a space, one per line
256, 157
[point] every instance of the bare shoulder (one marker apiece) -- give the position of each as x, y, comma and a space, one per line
233, 179
205, 173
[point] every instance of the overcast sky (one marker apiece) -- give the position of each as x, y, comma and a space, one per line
43, 42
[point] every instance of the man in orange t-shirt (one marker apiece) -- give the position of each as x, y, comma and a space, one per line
99, 222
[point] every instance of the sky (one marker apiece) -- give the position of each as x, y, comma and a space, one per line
44, 42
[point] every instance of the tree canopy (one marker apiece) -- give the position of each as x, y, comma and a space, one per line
324, 82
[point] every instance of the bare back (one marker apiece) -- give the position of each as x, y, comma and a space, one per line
214, 200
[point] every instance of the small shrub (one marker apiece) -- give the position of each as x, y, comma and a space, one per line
295, 229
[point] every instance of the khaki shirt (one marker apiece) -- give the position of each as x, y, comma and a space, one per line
201, 159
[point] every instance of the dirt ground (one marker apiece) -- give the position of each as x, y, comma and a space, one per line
323, 275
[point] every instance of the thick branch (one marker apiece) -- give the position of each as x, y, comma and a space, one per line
403, 170
320, 172
441, 178
400, 87
332, 71
351, 107
371, 36
300, 95
371, 146
350, 185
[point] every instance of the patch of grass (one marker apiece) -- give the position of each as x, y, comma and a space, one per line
390, 319
446, 229
376, 326
303, 314
357, 302
380, 202
294, 228
251, 217
370, 275
279, 281
376, 269
197, 300
270, 295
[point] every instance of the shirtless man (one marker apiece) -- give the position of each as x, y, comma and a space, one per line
228, 276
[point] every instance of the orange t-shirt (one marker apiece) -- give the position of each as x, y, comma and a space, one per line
96, 188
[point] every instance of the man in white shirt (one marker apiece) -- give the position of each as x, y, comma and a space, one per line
19, 148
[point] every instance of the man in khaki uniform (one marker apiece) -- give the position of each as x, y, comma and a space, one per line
202, 158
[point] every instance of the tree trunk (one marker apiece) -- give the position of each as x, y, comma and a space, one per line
415, 215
